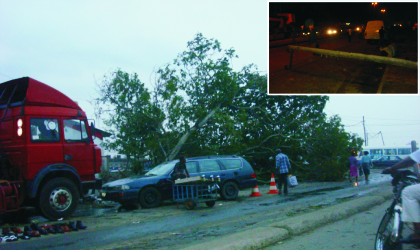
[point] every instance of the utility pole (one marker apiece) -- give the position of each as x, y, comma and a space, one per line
367, 138
382, 138
364, 131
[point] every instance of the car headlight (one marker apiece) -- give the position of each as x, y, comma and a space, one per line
118, 188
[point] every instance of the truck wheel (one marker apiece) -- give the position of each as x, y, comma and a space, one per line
58, 198
230, 191
150, 197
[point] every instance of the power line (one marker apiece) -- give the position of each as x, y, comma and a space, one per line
5, 75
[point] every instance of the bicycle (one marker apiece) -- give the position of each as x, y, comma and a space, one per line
389, 235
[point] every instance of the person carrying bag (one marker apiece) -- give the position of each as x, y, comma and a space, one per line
283, 167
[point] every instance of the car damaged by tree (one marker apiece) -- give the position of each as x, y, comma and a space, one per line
155, 186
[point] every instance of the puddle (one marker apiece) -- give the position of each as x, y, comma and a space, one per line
321, 190
347, 198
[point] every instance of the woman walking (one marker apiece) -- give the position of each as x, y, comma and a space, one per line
353, 167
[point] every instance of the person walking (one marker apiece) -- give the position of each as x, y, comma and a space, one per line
366, 164
313, 39
381, 37
283, 167
349, 31
353, 167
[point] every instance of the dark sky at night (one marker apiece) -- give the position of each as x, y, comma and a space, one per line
347, 11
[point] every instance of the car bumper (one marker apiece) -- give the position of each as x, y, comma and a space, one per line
248, 184
121, 196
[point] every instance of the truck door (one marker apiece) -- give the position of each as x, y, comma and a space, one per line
78, 148
45, 147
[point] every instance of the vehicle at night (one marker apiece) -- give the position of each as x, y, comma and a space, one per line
386, 161
151, 189
281, 27
47, 155
331, 31
372, 31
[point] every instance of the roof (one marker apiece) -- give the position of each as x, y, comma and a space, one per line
31, 92
213, 157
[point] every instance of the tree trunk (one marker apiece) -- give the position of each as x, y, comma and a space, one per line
185, 136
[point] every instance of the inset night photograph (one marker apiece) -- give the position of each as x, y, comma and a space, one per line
343, 48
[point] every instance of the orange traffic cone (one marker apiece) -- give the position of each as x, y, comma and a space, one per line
255, 192
273, 188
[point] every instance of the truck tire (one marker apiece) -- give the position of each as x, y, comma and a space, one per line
230, 191
58, 198
150, 197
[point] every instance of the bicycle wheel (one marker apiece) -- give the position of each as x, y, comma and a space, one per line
383, 236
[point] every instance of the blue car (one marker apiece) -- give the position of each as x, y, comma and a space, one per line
151, 189
386, 161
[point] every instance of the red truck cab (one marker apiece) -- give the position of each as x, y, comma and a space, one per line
47, 156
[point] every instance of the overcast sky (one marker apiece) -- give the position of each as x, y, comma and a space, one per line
71, 44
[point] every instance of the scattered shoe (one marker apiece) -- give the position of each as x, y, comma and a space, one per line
35, 227
65, 228
6, 230
24, 237
58, 229
27, 231
43, 231
16, 230
72, 226
10, 238
49, 229
80, 225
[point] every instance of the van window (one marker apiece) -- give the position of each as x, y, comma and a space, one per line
209, 166
44, 130
191, 167
75, 130
390, 151
231, 163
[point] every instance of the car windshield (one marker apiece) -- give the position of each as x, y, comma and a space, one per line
162, 169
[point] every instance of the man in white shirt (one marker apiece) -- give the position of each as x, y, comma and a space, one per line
410, 194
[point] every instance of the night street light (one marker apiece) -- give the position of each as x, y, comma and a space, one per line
374, 5
383, 11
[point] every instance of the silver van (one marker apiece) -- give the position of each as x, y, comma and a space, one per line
372, 30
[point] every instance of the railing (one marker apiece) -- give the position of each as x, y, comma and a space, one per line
357, 56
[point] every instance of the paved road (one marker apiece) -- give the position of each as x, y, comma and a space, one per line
313, 74
189, 228
355, 232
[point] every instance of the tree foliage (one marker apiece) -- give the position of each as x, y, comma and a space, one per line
200, 105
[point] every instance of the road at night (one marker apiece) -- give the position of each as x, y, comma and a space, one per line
311, 74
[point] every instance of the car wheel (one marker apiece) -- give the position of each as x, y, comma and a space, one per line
150, 197
58, 198
230, 191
